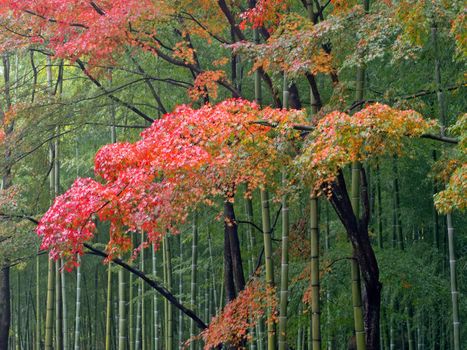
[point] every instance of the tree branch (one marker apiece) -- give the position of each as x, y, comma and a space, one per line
154, 284
112, 97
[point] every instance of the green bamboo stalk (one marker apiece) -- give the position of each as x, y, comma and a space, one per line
380, 206
59, 341
138, 318
166, 305
265, 214
122, 324
180, 297
131, 330
143, 308
420, 335
38, 308
254, 331
18, 313
249, 232
154, 301
355, 199
299, 330
356, 284
207, 298
78, 305
108, 313
169, 308
315, 284
410, 339
435, 212
259, 101
329, 284
64, 310
454, 289
397, 206
451, 246
194, 267
213, 275
450, 228
284, 293
392, 344
48, 342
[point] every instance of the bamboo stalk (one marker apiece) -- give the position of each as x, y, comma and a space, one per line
180, 291
108, 313
265, 214
154, 301
194, 268
169, 309
450, 228
38, 314
78, 305
284, 292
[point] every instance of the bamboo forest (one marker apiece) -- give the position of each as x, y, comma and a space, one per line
233, 174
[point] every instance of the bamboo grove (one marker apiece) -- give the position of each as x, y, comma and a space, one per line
261, 174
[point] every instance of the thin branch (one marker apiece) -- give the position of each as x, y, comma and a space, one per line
153, 283
250, 223
112, 97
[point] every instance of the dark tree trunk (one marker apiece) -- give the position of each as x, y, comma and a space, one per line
357, 230
228, 271
231, 229
5, 311
294, 97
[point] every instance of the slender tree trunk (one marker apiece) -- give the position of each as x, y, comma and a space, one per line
58, 308
366, 328
380, 206
454, 290
122, 324
450, 228
194, 272
356, 283
169, 314
265, 214
108, 313
17, 319
143, 299
131, 307
50, 274
49, 308
38, 308
435, 212
397, 206
180, 297
284, 293
410, 339
211, 267
78, 306
315, 283
155, 306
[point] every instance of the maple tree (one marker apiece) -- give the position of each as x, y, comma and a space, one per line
183, 159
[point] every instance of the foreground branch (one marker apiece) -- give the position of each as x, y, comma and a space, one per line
162, 290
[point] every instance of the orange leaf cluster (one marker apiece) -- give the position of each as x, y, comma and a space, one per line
265, 13
206, 84
232, 324
340, 139
453, 171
